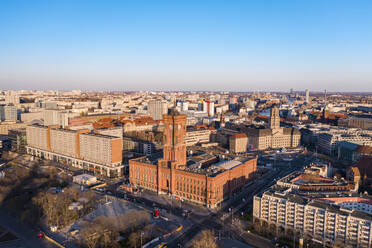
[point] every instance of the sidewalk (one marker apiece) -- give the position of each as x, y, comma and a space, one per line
167, 201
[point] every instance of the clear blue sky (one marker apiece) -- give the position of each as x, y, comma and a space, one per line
186, 45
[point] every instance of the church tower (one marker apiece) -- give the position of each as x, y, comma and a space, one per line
274, 121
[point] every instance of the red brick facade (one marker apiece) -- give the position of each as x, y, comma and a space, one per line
170, 177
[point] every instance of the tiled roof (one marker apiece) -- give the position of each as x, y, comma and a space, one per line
240, 135
366, 150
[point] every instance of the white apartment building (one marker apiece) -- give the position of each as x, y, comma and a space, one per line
56, 117
356, 122
182, 106
11, 97
328, 141
328, 224
8, 113
156, 109
222, 108
194, 137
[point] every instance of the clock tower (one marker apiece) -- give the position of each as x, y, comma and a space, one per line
274, 121
174, 138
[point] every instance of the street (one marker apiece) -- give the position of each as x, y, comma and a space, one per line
28, 236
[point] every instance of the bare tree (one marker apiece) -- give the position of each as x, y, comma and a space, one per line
56, 206
134, 239
206, 240
133, 219
90, 236
100, 233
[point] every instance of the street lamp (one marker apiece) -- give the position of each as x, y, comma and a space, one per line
141, 238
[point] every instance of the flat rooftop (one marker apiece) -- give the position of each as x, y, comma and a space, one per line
101, 135
202, 163
317, 203
228, 164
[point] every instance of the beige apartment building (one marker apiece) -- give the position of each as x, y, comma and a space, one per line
6, 126
112, 131
317, 220
63, 141
238, 143
195, 136
356, 122
97, 153
37, 136
101, 148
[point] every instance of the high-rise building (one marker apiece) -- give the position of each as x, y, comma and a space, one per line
307, 100
233, 100
8, 113
18, 139
182, 106
11, 97
89, 151
156, 109
57, 117
207, 107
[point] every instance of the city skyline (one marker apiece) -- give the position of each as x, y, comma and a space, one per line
199, 124
271, 46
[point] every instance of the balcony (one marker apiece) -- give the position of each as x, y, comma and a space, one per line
353, 229
352, 236
331, 230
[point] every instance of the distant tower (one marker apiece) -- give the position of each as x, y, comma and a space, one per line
307, 96
325, 95
274, 121
222, 120
157, 108
11, 97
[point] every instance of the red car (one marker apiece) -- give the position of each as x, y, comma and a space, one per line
40, 235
